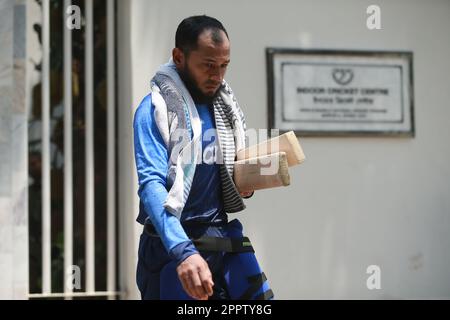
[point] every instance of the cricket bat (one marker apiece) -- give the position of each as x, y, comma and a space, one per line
286, 142
265, 165
266, 171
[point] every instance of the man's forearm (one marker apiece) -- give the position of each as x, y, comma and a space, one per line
173, 236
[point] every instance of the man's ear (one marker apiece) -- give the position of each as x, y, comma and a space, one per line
178, 57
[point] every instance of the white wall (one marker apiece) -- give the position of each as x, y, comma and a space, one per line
127, 179
13, 152
356, 201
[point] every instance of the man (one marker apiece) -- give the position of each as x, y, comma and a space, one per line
186, 134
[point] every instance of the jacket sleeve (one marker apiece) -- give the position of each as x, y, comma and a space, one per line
151, 158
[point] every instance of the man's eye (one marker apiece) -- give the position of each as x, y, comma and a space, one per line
209, 65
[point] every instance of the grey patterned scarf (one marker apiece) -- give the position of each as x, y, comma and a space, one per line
181, 130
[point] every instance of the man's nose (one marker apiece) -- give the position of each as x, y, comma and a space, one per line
216, 75
216, 79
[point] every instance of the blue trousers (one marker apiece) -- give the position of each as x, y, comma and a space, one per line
235, 275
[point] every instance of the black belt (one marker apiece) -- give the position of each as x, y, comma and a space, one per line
207, 243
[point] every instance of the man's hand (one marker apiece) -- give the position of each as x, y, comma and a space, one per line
246, 194
196, 277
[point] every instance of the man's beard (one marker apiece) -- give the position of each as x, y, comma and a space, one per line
197, 95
